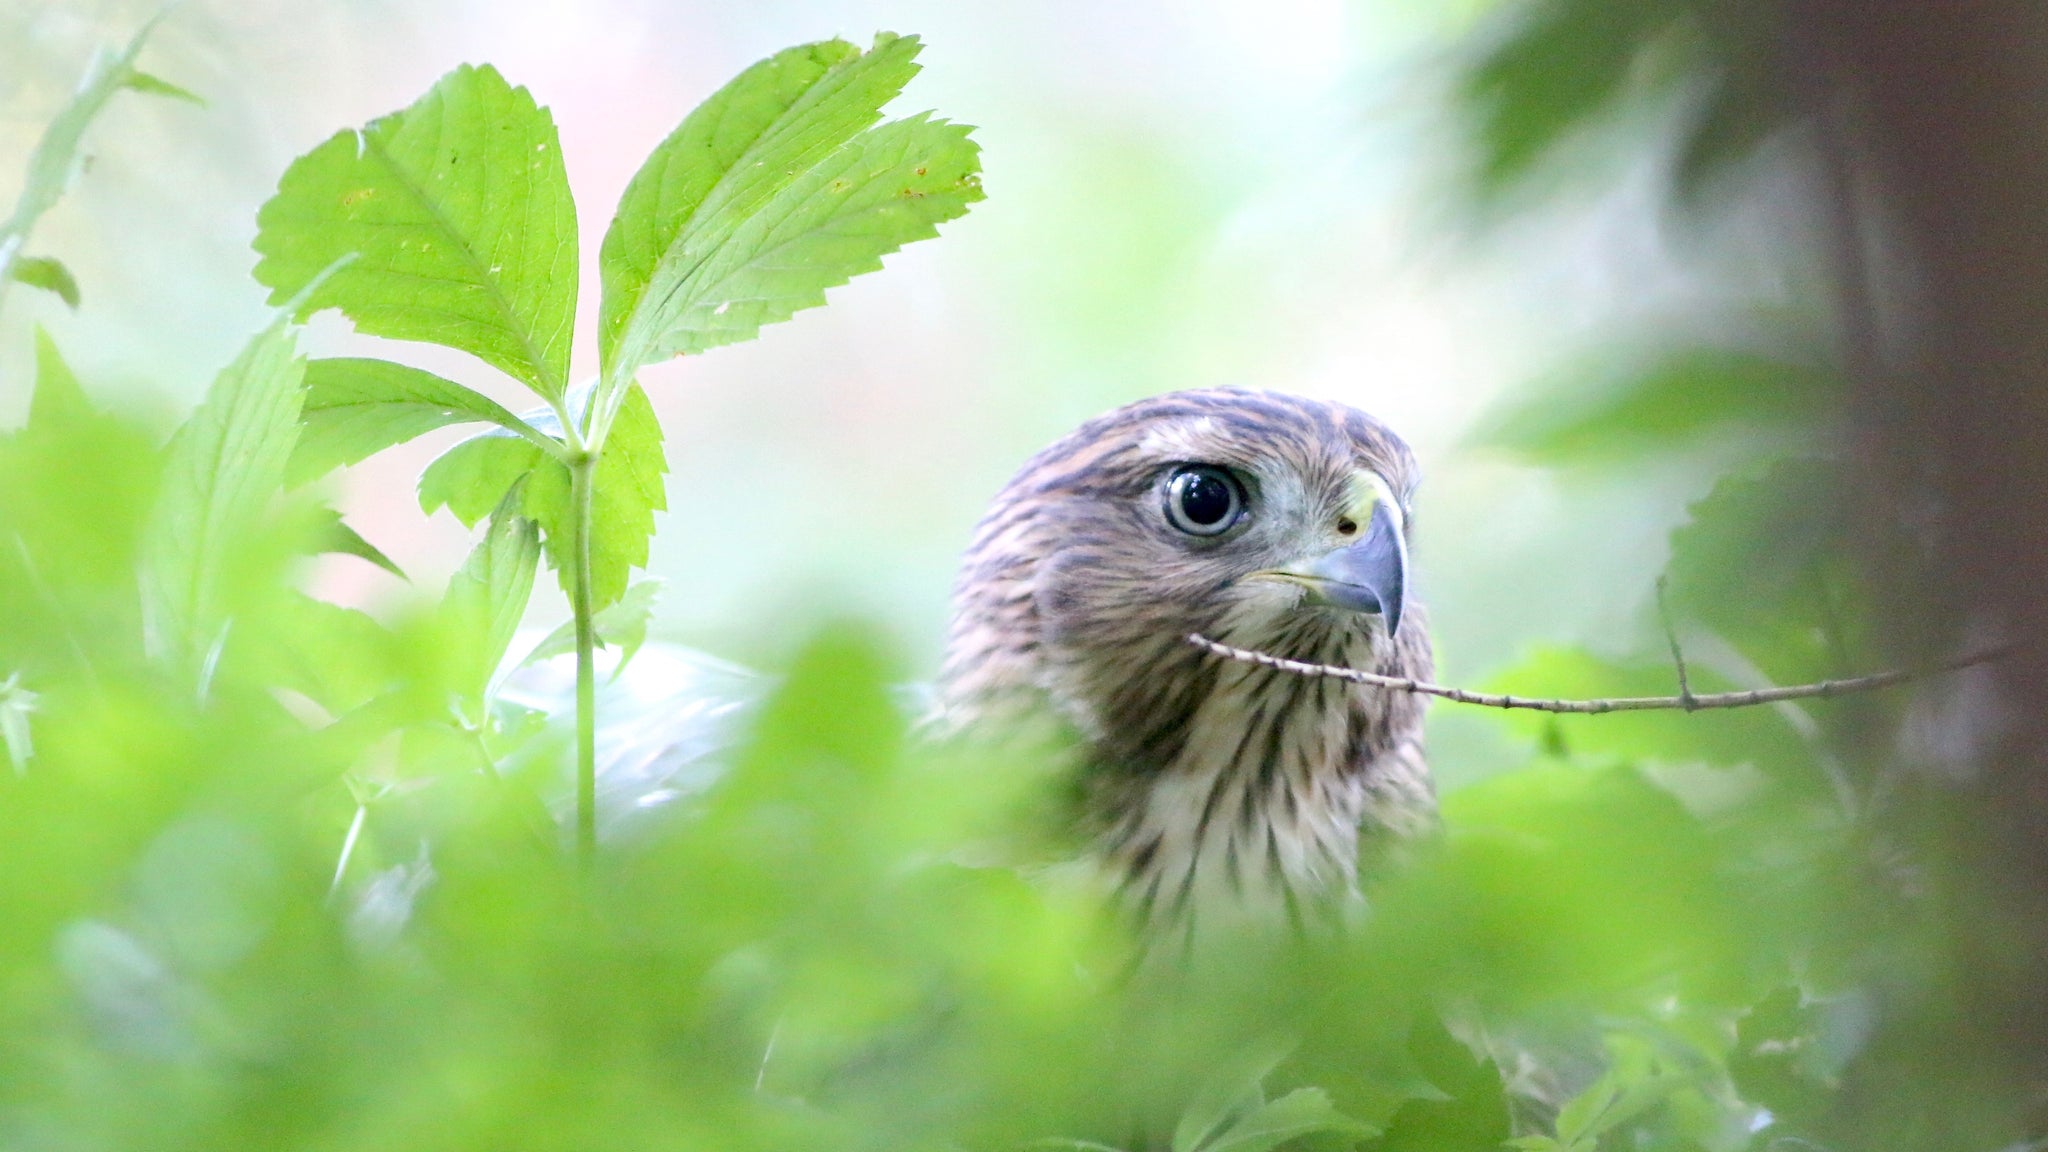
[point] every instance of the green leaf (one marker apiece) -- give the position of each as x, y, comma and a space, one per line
59, 398
48, 274
144, 82
1763, 560
473, 476
1563, 68
458, 214
76, 485
770, 192
1227, 1094
1470, 1109
623, 625
627, 494
1618, 1097
487, 596
334, 535
1579, 1115
223, 468
1301, 1112
336, 657
356, 408
1777, 1059
1678, 400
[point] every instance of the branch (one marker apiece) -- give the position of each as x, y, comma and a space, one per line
1688, 702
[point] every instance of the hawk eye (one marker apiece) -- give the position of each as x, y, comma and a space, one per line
1203, 500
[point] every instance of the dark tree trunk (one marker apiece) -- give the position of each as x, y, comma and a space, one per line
1932, 117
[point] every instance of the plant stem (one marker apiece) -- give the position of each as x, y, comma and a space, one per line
582, 484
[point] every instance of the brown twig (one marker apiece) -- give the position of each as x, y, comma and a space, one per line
1686, 699
1689, 702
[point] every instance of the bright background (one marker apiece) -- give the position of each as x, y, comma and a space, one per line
1181, 194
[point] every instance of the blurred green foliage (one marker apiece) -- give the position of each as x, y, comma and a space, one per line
277, 873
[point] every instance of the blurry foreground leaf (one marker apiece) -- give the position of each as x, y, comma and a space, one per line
75, 484
1558, 881
224, 467
1302, 1112
622, 625
1469, 1108
487, 596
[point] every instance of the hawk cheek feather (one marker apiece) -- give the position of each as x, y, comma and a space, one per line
1266, 521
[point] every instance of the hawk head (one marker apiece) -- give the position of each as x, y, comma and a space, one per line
1258, 519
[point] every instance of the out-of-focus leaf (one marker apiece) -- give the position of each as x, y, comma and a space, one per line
1559, 69
1763, 561
1774, 1063
457, 214
623, 624
58, 398
1567, 881
487, 596
1678, 401
1725, 737
223, 468
804, 792
153, 85
358, 407
1302, 1112
333, 534
1470, 1110
1230, 1094
1609, 1103
55, 162
770, 192
48, 274
337, 657
75, 485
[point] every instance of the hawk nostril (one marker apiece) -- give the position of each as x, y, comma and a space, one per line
1347, 526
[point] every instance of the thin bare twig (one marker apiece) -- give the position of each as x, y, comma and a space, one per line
1689, 702
1686, 699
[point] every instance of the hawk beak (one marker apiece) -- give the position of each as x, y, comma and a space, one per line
1370, 576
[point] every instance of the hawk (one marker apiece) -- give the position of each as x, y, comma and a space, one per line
1265, 521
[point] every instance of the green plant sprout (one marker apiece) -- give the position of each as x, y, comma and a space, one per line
451, 222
